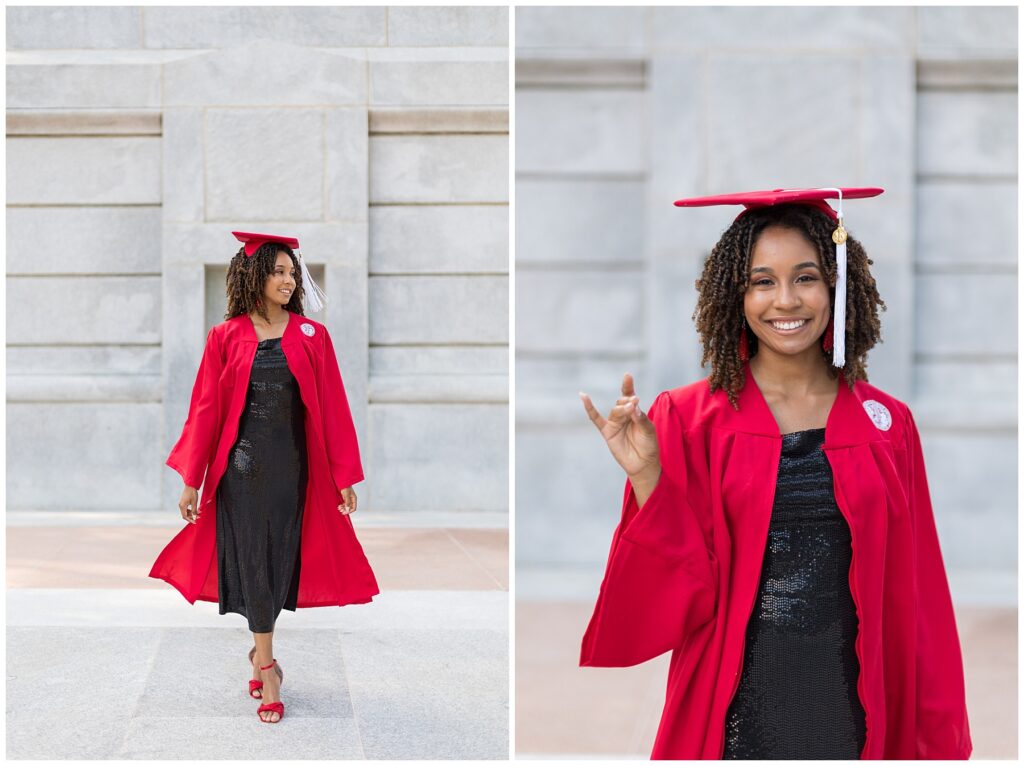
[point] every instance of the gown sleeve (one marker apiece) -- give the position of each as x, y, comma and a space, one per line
339, 430
942, 729
659, 583
192, 453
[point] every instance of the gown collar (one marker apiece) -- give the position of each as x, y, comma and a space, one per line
847, 421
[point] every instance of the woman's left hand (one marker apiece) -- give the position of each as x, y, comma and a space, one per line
348, 495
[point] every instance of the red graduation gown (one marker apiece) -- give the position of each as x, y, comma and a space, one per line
334, 569
683, 571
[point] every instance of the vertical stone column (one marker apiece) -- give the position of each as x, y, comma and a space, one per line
677, 241
346, 257
582, 164
885, 225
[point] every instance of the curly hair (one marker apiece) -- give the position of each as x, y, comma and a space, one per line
719, 314
247, 276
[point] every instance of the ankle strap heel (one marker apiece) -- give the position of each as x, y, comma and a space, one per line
274, 707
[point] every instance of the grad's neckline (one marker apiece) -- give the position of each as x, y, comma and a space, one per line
277, 337
770, 416
804, 431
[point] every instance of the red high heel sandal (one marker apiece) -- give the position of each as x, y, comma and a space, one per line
254, 685
274, 707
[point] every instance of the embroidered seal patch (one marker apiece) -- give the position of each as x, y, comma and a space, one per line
879, 414
310, 330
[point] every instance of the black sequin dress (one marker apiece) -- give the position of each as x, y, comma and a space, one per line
261, 496
797, 696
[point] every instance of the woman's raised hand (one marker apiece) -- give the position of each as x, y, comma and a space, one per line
189, 504
629, 433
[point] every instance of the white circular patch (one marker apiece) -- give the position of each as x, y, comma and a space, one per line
879, 414
308, 329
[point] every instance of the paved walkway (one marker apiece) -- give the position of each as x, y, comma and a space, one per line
564, 711
105, 662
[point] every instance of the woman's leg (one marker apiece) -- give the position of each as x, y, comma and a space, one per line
271, 684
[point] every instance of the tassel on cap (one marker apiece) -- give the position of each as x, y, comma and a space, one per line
839, 311
315, 297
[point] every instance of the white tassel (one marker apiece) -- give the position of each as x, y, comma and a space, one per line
839, 314
315, 297
839, 311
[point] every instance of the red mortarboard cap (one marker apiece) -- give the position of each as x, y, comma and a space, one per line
253, 241
815, 198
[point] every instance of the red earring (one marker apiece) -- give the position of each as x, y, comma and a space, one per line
826, 339
744, 344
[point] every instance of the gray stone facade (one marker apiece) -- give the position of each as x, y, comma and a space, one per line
620, 111
139, 137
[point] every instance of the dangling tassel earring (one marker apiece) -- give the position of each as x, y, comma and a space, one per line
744, 344
826, 339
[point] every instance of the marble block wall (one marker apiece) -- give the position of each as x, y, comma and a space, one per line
620, 111
138, 138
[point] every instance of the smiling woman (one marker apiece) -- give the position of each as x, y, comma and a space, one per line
777, 534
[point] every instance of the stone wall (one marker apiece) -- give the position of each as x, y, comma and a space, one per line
138, 138
620, 111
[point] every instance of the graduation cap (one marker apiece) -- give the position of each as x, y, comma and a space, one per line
252, 241
816, 199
